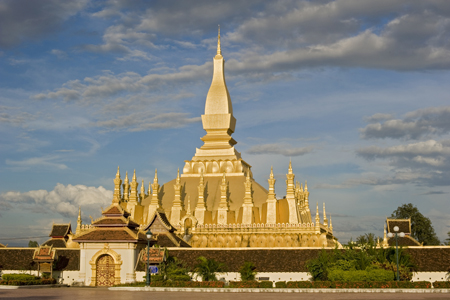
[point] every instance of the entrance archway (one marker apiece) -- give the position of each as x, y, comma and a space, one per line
105, 270
104, 263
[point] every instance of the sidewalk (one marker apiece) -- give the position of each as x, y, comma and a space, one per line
37, 286
274, 290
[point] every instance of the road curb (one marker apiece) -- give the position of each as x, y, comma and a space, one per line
274, 290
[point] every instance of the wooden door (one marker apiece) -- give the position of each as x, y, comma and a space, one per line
105, 271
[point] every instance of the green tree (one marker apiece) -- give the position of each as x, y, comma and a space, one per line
248, 271
33, 244
175, 269
369, 239
421, 228
207, 268
448, 239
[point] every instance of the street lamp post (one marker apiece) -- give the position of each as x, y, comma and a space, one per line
401, 234
149, 236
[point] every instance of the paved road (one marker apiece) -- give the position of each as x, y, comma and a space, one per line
73, 293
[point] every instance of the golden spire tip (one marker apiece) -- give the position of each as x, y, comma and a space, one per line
219, 51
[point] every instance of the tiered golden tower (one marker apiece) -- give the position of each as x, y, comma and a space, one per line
229, 208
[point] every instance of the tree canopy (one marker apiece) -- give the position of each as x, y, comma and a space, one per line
421, 228
33, 244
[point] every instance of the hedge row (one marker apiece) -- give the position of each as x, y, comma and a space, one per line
28, 282
441, 284
251, 284
281, 284
361, 275
357, 285
21, 277
213, 284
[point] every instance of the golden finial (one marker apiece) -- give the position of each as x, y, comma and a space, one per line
126, 176
134, 176
271, 172
219, 51
306, 186
118, 172
290, 167
178, 177
155, 180
317, 213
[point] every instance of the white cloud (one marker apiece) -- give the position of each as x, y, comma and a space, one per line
45, 162
280, 149
59, 53
64, 200
140, 121
416, 124
427, 148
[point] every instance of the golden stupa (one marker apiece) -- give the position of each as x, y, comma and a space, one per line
215, 202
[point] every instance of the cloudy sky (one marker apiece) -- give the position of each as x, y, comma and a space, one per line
355, 92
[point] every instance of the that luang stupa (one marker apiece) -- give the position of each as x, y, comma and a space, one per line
215, 202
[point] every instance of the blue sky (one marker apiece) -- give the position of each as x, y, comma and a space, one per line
355, 92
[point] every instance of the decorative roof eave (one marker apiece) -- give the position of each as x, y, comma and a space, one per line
115, 210
49, 257
162, 217
67, 230
121, 220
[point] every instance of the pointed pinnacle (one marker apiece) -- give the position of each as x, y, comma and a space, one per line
219, 51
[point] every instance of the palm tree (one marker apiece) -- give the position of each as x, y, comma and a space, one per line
206, 268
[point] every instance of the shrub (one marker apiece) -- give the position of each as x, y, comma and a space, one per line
206, 268
174, 267
28, 282
213, 284
380, 275
321, 284
318, 267
349, 285
155, 277
359, 275
247, 271
265, 284
21, 277
299, 284
441, 284
280, 284
244, 284
179, 277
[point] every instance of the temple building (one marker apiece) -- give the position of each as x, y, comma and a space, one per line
214, 201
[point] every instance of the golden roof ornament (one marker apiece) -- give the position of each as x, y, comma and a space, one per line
219, 51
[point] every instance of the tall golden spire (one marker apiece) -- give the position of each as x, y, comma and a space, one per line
126, 187
117, 182
134, 189
79, 222
219, 51
142, 190
317, 214
271, 195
